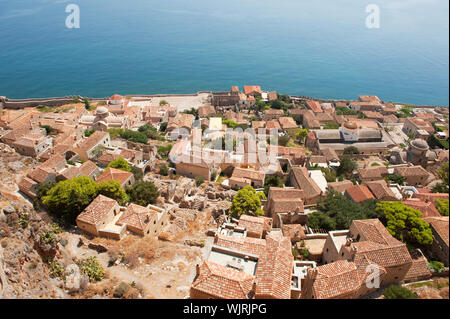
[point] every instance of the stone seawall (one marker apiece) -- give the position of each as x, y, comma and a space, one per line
52, 101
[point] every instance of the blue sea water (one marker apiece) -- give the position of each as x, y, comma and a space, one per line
316, 48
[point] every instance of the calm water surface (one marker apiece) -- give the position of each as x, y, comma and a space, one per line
315, 48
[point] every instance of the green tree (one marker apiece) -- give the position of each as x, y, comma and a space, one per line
164, 151
133, 136
43, 189
272, 181
301, 134
114, 190
405, 223
442, 206
163, 102
143, 193
443, 175
398, 292
163, 126
284, 140
199, 180
88, 133
246, 202
87, 104
279, 105
351, 150
164, 170
318, 220
120, 163
395, 178
347, 166
69, 198
137, 172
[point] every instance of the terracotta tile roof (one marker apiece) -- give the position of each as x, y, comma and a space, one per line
359, 193
256, 225
293, 231
314, 106
97, 210
382, 255
381, 190
285, 200
441, 226
136, 216
251, 89
373, 172
206, 110
340, 187
92, 140
116, 97
274, 112
369, 98
114, 174
40, 174
287, 123
419, 270
273, 124
335, 280
235, 89
290, 152
373, 115
223, 282
71, 172
390, 119
108, 157
272, 96
330, 154
254, 246
430, 196
180, 120
87, 168
418, 171
274, 271
426, 208
258, 124
373, 230
26, 186
249, 174
305, 182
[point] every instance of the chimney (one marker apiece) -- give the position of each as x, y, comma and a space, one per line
254, 287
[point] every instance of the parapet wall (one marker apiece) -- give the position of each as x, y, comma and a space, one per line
52, 101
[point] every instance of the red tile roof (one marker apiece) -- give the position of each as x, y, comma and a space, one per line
114, 174
97, 210
426, 208
251, 89
223, 282
359, 193
314, 106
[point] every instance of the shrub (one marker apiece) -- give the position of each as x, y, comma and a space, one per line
137, 172
246, 202
164, 170
92, 268
68, 198
437, 266
398, 292
120, 163
143, 193
48, 237
56, 269
88, 133
114, 190
442, 206
199, 180
351, 150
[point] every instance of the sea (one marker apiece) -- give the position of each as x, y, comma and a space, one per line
336, 49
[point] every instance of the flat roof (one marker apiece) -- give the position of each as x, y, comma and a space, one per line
319, 179
228, 258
